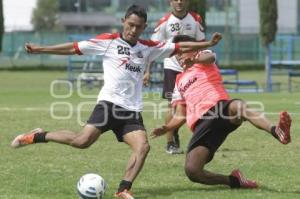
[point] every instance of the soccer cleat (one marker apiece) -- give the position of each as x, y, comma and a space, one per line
171, 149
125, 194
25, 139
282, 129
244, 183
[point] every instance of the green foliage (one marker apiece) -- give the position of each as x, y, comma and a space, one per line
268, 20
45, 15
1, 24
199, 6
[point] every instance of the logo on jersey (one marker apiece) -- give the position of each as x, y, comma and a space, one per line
140, 54
188, 84
136, 69
188, 26
124, 61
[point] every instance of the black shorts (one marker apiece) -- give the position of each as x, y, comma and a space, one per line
169, 83
212, 130
108, 116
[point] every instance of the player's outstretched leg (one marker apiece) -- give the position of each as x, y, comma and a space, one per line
241, 182
87, 136
28, 138
282, 130
198, 157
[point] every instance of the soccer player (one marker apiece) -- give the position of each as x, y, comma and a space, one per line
179, 22
119, 102
202, 101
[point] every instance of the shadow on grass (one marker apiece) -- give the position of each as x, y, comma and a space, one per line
165, 191
234, 150
272, 190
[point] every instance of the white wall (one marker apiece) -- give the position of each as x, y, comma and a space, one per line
17, 14
249, 16
287, 16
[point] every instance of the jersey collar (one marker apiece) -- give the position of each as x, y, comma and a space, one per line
180, 17
121, 36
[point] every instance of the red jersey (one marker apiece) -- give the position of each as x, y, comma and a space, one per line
199, 88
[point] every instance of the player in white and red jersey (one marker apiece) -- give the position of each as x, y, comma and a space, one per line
119, 102
179, 22
202, 101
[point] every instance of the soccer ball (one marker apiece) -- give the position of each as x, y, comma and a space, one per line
91, 186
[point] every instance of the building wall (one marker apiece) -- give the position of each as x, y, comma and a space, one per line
105, 15
287, 16
17, 15
248, 16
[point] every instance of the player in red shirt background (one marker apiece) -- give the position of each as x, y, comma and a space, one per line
202, 101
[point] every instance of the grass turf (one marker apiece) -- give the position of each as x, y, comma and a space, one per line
51, 171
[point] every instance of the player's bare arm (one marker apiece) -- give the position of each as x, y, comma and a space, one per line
59, 49
177, 121
187, 60
147, 75
192, 46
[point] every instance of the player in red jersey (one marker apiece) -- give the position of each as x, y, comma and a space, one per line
202, 101
119, 102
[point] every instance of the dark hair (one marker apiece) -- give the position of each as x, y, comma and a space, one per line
137, 10
179, 38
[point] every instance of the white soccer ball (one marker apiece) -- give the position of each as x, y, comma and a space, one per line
91, 186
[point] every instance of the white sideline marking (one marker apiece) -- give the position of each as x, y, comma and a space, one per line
90, 110
37, 109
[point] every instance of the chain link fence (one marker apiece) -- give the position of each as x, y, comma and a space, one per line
233, 50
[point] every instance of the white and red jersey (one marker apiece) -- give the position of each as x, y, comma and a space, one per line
199, 88
170, 26
124, 66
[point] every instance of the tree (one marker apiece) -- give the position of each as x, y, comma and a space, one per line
1, 24
45, 15
268, 28
199, 6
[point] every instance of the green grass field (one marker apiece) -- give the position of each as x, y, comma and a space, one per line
51, 171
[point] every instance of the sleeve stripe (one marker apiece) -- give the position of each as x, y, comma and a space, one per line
176, 50
78, 52
196, 17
